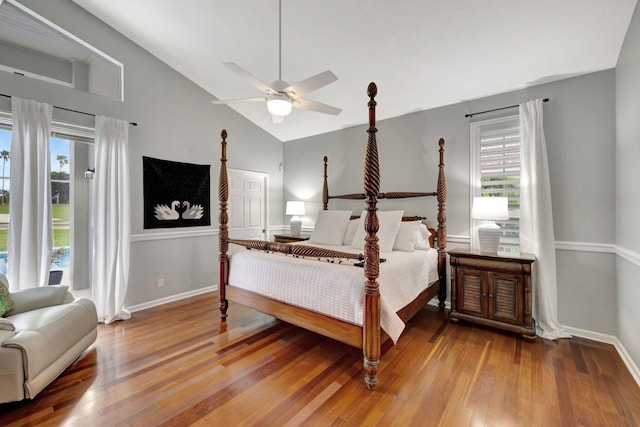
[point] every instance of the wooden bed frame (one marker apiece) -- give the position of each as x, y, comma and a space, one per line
368, 337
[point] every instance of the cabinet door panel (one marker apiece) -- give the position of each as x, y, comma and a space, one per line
471, 292
506, 299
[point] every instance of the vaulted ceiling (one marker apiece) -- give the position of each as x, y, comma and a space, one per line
421, 53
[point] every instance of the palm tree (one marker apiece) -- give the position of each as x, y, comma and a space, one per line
62, 159
4, 154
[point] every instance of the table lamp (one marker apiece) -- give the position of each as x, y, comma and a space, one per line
489, 210
295, 208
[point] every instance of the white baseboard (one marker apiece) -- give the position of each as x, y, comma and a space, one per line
615, 342
171, 298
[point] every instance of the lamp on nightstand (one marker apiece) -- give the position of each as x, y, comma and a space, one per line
295, 208
489, 210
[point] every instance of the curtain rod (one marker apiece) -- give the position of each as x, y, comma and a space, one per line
73, 111
498, 109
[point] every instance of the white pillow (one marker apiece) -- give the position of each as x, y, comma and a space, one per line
422, 241
351, 232
407, 235
330, 227
389, 223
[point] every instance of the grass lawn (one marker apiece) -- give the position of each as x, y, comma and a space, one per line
60, 235
59, 212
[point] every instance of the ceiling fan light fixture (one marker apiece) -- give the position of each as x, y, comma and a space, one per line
279, 105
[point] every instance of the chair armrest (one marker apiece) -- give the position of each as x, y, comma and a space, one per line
35, 298
5, 335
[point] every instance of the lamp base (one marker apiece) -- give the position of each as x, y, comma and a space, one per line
489, 236
295, 225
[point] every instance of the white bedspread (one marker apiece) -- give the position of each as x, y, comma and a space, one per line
336, 290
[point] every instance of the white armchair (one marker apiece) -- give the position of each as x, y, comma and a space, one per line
45, 332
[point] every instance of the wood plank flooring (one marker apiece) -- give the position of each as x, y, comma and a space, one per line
177, 365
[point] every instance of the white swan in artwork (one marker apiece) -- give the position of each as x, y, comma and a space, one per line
163, 212
192, 212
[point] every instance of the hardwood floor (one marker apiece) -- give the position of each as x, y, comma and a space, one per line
176, 365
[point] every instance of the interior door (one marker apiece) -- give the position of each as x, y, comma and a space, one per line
247, 204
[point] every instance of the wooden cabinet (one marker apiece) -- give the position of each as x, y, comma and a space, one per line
492, 290
290, 238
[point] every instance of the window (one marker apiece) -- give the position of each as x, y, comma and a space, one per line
61, 204
495, 171
34, 47
5, 147
70, 151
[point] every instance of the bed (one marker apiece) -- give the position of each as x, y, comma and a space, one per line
271, 277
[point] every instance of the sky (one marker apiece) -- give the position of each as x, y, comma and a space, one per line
58, 147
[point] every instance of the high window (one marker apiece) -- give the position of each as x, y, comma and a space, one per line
495, 171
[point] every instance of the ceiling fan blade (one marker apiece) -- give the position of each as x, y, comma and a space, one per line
250, 77
306, 104
312, 83
224, 101
277, 119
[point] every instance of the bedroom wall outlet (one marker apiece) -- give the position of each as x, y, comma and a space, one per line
161, 283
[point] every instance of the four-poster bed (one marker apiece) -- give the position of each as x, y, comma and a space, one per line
365, 333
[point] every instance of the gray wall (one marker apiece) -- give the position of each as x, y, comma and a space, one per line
579, 126
627, 189
176, 122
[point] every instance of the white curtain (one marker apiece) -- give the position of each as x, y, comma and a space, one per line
30, 225
111, 219
536, 219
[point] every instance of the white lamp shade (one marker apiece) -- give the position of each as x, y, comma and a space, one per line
279, 105
295, 208
490, 208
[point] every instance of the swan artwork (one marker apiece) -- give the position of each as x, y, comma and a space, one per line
164, 212
192, 212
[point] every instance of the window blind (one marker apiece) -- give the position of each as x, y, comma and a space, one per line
500, 176
496, 171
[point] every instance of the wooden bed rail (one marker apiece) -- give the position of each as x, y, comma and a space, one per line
295, 250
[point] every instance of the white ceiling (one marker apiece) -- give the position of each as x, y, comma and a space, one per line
421, 53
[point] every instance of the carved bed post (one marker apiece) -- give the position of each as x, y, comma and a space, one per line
325, 187
442, 229
223, 196
371, 327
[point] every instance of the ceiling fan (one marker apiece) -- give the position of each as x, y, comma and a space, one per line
280, 96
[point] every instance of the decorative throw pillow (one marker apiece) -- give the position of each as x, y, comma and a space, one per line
351, 232
389, 222
330, 227
6, 302
423, 238
407, 236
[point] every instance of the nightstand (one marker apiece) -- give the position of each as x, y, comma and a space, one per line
291, 238
492, 290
